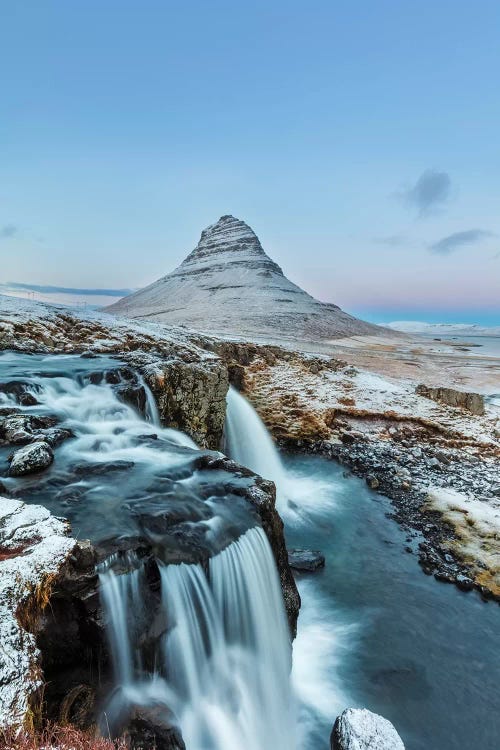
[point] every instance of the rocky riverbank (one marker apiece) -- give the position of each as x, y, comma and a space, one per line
434, 452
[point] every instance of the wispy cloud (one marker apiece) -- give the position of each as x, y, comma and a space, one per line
453, 242
41, 289
8, 230
431, 191
395, 240
392, 240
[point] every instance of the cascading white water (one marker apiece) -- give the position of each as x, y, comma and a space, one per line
105, 428
120, 595
249, 443
224, 668
151, 411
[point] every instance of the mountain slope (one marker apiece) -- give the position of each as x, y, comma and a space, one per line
228, 285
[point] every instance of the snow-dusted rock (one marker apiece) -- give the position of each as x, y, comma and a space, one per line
33, 547
31, 458
228, 285
188, 382
16, 429
360, 729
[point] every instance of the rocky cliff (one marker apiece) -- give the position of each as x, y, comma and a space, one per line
228, 285
189, 383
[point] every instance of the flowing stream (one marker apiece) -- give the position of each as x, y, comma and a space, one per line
373, 630
209, 645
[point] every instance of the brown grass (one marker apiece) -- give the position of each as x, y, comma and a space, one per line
62, 738
36, 600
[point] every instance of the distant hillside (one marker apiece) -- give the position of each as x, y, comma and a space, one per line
444, 329
228, 285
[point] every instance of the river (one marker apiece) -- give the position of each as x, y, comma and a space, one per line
374, 631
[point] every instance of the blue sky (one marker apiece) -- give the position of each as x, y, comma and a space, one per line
359, 140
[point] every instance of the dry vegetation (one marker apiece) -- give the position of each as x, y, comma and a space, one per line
56, 738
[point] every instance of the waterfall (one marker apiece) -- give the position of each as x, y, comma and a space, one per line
249, 443
105, 427
120, 594
151, 411
223, 666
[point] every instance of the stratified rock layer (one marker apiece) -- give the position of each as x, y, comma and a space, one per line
473, 402
228, 285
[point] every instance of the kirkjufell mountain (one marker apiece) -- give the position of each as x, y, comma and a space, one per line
229, 285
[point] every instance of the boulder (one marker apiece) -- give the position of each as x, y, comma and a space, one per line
151, 727
16, 429
305, 560
30, 459
360, 729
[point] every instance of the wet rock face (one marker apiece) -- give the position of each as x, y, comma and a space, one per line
191, 397
360, 729
472, 402
148, 727
21, 392
31, 458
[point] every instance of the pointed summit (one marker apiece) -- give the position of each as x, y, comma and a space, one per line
229, 241
228, 285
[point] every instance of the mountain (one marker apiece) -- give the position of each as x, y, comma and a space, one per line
228, 285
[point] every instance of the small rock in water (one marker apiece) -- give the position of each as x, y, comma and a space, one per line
360, 729
464, 582
31, 458
307, 560
372, 482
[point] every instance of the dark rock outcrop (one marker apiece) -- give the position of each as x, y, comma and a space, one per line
148, 727
190, 396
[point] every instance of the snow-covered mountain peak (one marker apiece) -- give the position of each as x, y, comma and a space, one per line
228, 241
228, 285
